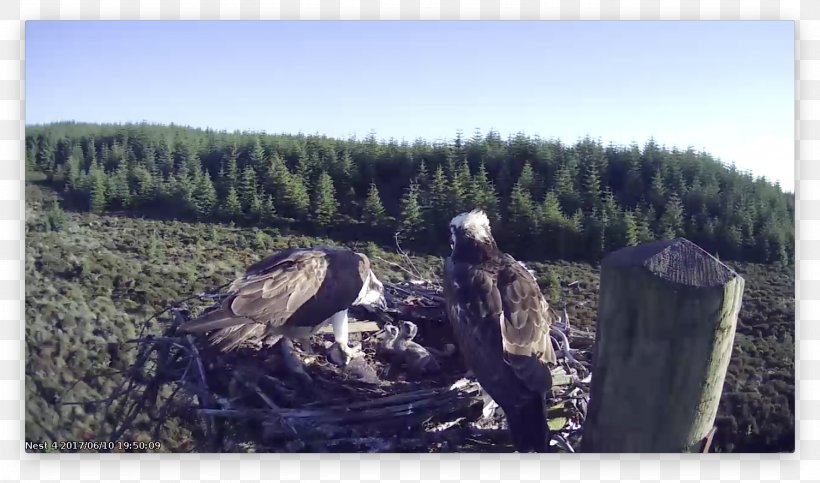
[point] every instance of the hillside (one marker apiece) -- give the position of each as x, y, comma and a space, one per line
586, 199
92, 279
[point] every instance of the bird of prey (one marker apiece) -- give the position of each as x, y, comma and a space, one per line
292, 294
501, 322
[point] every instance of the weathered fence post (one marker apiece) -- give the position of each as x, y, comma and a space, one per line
667, 313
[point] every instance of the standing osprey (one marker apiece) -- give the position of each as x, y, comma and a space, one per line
501, 322
292, 294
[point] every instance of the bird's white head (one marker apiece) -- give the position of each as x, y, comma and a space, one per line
473, 224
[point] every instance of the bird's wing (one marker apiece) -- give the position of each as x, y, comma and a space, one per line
269, 292
273, 292
525, 326
506, 300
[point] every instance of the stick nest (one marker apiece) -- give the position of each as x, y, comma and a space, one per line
248, 400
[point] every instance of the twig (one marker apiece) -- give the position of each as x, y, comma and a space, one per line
396, 265
204, 399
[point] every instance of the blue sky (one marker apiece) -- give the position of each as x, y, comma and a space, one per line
724, 87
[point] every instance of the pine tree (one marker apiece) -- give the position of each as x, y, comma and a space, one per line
187, 160
257, 156
182, 189
412, 217
345, 178
552, 225
255, 209
98, 200
232, 208
521, 218
633, 184
45, 155
671, 222
119, 194
526, 180
165, 159
145, 188
565, 188
645, 222
459, 188
422, 176
550, 209
630, 228
592, 187
204, 195
268, 209
657, 190
482, 194
74, 172
303, 168
373, 209
246, 190
231, 178
277, 177
149, 159
595, 232
296, 200
324, 201
440, 210
90, 154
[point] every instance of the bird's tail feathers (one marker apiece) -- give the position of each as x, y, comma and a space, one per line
218, 319
528, 425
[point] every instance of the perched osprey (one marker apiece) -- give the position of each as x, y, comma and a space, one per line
501, 322
292, 294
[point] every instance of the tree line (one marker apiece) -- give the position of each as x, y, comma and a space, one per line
545, 198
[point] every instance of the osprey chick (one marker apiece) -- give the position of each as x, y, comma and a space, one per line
292, 294
501, 322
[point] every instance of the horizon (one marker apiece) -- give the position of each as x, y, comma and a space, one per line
728, 90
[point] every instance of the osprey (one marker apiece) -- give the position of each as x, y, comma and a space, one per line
292, 294
501, 323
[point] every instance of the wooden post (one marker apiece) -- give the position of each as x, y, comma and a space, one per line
667, 313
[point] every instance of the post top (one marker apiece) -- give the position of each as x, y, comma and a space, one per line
678, 261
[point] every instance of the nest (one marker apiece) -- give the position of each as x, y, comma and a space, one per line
251, 400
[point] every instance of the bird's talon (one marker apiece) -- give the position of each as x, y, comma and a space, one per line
342, 354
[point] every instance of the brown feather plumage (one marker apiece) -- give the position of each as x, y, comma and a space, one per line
278, 296
501, 322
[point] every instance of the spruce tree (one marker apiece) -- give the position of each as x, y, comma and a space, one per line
440, 207
373, 209
630, 228
296, 199
145, 188
412, 219
98, 200
482, 194
345, 178
459, 188
526, 180
671, 222
268, 209
232, 208
324, 201
257, 156
521, 219
204, 195
246, 190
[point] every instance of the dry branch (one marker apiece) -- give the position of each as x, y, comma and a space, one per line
250, 394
